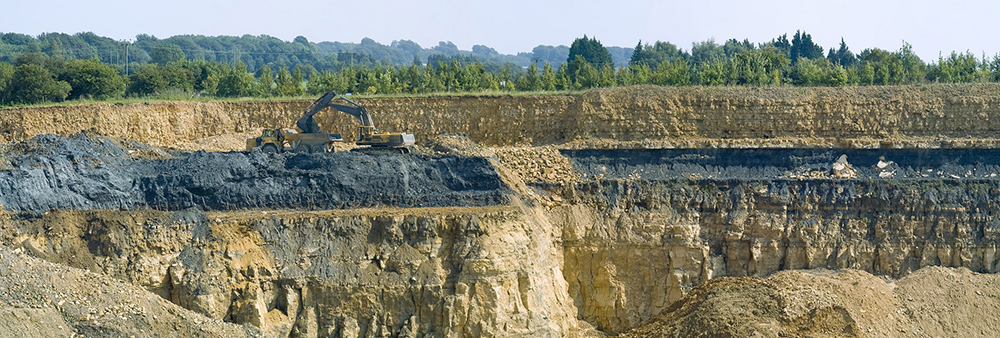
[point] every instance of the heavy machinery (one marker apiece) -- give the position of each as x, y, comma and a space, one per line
276, 140
368, 136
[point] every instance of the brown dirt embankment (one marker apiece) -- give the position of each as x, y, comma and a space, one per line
932, 116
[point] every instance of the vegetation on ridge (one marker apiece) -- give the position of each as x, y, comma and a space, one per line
56, 67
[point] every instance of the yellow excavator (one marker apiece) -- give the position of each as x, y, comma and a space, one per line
312, 139
368, 136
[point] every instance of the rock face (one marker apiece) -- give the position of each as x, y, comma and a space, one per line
409, 272
939, 116
633, 246
611, 252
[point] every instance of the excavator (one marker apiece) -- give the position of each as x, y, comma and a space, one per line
312, 139
368, 136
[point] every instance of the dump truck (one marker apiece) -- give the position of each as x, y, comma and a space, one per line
277, 140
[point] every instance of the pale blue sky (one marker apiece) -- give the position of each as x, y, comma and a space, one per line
519, 25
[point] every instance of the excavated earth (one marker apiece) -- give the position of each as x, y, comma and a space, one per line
636, 211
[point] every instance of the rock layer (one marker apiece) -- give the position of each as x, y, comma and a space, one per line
939, 116
408, 272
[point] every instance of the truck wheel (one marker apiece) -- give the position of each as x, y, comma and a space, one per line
319, 149
269, 148
302, 148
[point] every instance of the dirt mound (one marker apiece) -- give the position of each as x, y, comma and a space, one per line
934, 301
41, 299
85, 172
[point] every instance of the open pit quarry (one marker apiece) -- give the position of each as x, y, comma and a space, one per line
633, 211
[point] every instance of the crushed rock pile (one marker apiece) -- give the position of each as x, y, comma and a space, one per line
538, 164
94, 172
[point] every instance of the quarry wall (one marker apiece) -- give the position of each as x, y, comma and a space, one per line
937, 116
655, 191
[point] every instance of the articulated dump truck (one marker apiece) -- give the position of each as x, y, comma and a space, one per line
277, 141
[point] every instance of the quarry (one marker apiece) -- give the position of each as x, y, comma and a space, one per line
628, 211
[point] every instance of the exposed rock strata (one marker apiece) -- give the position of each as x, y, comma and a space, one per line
939, 116
408, 272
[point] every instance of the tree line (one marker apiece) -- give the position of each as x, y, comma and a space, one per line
258, 51
34, 77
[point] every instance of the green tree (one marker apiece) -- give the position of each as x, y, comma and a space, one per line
211, 84
655, 55
548, 77
298, 78
608, 78
31, 83
285, 84
758, 67
165, 53
147, 80
530, 81
732, 47
591, 51
265, 81
958, 68
803, 47
672, 73
200, 71
714, 73
92, 78
177, 76
914, 69
707, 51
236, 82
585, 75
818, 72
6, 74
842, 56
886, 67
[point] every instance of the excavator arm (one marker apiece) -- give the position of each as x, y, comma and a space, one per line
308, 123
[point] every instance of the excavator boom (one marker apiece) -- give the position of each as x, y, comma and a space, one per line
308, 123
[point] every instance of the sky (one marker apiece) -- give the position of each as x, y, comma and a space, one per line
931, 27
